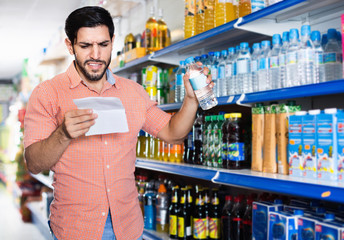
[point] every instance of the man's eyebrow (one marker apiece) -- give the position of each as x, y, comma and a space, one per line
87, 43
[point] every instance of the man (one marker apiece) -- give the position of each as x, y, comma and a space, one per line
94, 184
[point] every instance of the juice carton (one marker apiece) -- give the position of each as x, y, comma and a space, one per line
257, 137
343, 41
269, 149
329, 229
260, 214
309, 144
295, 144
327, 145
340, 138
283, 226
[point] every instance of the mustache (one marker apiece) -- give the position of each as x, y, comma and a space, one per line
95, 61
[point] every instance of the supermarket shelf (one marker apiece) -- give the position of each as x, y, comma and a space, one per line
153, 235
309, 188
39, 219
46, 180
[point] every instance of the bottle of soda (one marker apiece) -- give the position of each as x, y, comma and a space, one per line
184, 220
206, 199
190, 203
197, 137
199, 218
149, 207
189, 148
236, 219
225, 137
214, 216
247, 220
162, 210
236, 144
213, 142
218, 141
174, 211
210, 140
226, 218
205, 148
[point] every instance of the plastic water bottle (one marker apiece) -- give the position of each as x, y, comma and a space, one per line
283, 59
291, 64
264, 65
274, 75
254, 66
214, 72
324, 41
306, 57
198, 80
319, 64
231, 71
222, 83
204, 59
179, 92
333, 57
243, 69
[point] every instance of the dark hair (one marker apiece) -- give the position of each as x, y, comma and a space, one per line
87, 17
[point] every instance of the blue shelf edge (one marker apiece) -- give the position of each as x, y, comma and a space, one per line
322, 190
150, 236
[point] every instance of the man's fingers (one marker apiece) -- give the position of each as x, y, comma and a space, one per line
78, 112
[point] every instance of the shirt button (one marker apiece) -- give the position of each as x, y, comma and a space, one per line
108, 190
105, 142
103, 213
107, 166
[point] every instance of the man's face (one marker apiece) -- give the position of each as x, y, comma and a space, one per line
92, 49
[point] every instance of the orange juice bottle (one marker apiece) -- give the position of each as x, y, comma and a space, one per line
209, 14
189, 18
220, 12
199, 16
176, 154
151, 33
236, 8
244, 8
230, 11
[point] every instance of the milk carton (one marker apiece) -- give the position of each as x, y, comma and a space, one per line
260, 214
309, 144
327, 145
329, 229
282, 226
306, 227
295, 144
340, 143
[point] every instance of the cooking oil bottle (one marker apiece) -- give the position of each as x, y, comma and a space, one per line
189, 18
163, 36
199, 16
151, 35
209, 14
220, 12
230, 11
236, 8
244, 8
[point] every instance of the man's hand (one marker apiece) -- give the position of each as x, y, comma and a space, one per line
189, 92
77, 122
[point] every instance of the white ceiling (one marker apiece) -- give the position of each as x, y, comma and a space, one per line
27, 26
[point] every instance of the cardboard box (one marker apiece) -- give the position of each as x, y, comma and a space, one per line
134, 54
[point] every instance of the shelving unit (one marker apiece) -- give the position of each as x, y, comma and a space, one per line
39, 219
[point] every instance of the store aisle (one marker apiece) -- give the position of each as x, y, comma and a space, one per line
11, 225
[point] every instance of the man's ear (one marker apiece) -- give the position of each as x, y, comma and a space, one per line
69, 46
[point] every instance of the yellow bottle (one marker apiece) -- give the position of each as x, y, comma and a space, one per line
163, 36
220, 12
152, 147
230, 11
199, 16
161, 150
244, 8
189, 18
156, 149
166, 157
209, 17
236, 8
151, 33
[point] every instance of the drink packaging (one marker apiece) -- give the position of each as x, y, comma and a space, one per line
269, 150
340, 150
257, 137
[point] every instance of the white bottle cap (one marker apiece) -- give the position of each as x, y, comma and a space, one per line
314, 112
300, 113
330, 110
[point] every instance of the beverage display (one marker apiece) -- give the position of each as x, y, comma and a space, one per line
220, 12
164, 38
129, 42
179, 88
198, 80
149, 208
151, 33
162, 204
333, 57
254, 66
236, 153
215, 216
292, 76
200, 16
244, 7
184, 217
274, 76
231, 71
230, 11
190, 18
199, 218
264, 67
197, 131
237, 219
283, 58
319, 64
306, 57
243, 64
247, 220
222, 83
226, 222
215, 71
173, 213
209, 14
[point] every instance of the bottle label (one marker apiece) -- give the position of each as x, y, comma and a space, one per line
274, 62
243, 66
221, 72
200, 228
254, 65
173, 225
319, 58
179, 79
197, 134
214, 228
161, 216
199, 82
214, 72
332, 57
236, 151
181, 226
228, 70
257, 5
292, 58
263, 63
224, 151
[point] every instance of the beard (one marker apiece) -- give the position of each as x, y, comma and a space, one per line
89, 74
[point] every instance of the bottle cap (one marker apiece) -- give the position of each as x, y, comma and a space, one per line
217, 54
227, 115
207, 118
266, 43
221, 117
331, 33
204, 56
231, 50
224, 53
298, 212
315, 36
197, 58
305, 30
324, 39
236, 115
243, 45
228, 198
256, 45
162, 188
189, 60
276, 39
211, 53
294, 33
181, 63
285, 37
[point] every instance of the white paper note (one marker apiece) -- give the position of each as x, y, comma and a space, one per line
111, 114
